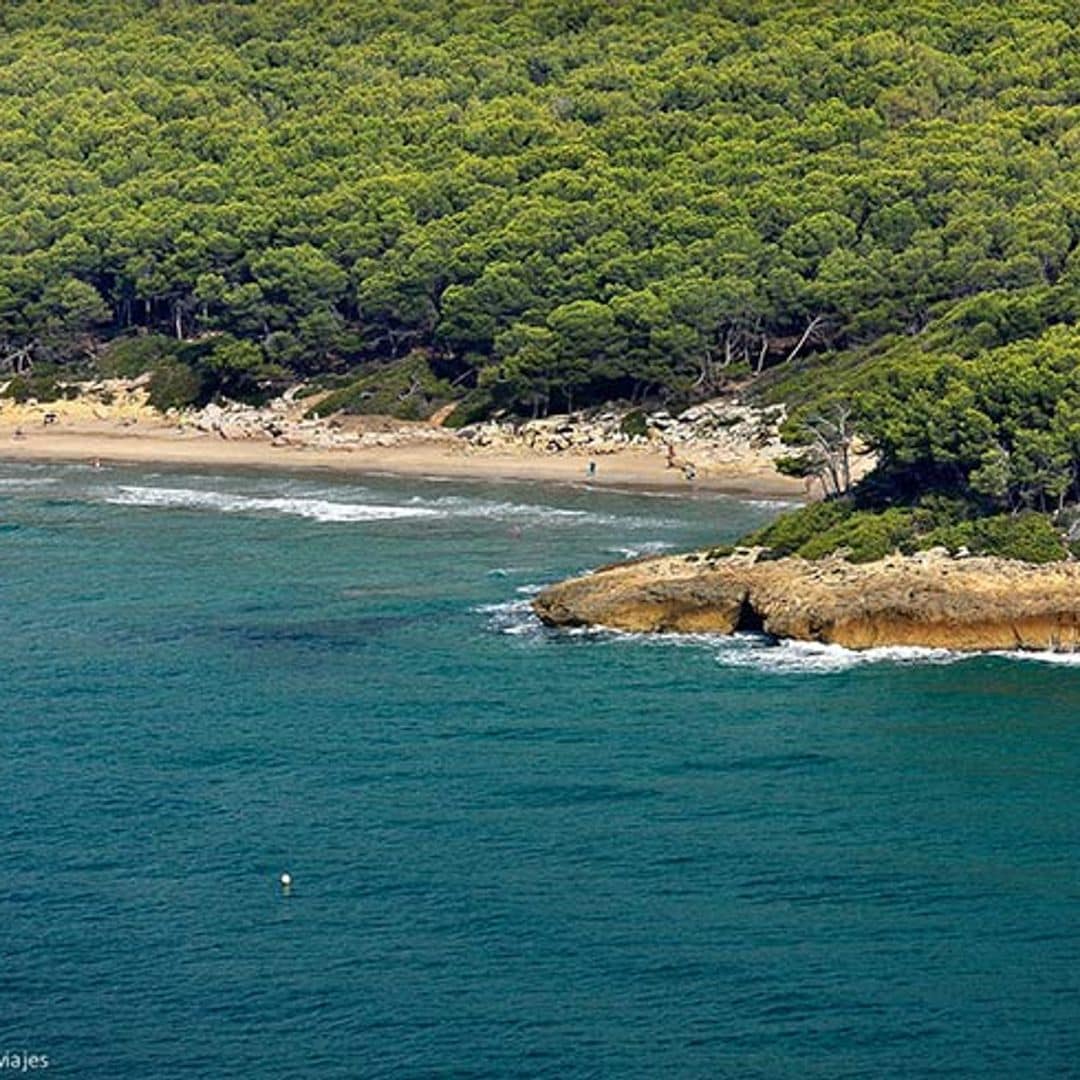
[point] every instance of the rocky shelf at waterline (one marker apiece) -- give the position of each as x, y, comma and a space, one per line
929, 599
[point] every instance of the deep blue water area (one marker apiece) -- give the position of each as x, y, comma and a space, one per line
515, 852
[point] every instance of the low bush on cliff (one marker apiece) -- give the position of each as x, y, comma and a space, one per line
1030, 537
865, 536
788, 534
836, 527
825, 528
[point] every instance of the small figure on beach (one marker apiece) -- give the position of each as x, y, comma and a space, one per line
591, 470
96, 463
689, 471
671, 455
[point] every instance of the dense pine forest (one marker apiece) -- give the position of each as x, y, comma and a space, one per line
545, 204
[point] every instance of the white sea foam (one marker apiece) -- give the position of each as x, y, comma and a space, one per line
17, 482
772, 504
508, 571
758, 653
650, 547
808, 657
1067, 659
316, 509
788, 657
521, 513
321, 505
513, 617
517, 513
795, 657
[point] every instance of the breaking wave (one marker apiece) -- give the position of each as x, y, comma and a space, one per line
514, 617
525, 514
324, 507
809, 657
296, 506
652, 547
1063, 658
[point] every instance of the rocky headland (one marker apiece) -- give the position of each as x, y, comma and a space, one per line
930, 599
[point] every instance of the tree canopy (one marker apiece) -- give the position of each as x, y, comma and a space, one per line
555, 201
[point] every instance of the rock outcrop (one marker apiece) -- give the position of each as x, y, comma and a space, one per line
713, 432
931, 599
724, 429
284, 422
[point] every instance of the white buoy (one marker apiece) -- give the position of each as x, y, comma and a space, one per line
286, 882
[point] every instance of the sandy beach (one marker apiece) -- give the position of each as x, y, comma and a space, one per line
132, 434
146, 446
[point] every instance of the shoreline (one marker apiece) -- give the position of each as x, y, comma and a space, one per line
422, 457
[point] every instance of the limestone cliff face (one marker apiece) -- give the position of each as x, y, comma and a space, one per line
928, 599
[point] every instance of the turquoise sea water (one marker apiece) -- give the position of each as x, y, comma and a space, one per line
515, 852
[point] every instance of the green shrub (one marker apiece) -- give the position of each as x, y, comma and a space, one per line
44, 387
129, 357
239, 370
475, 406
865, 536
407, 389
1030, 537
792, 530
721, 551
323, 383
634, 424
176, 386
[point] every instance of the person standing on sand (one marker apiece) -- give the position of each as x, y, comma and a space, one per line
671, 455
591, 470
